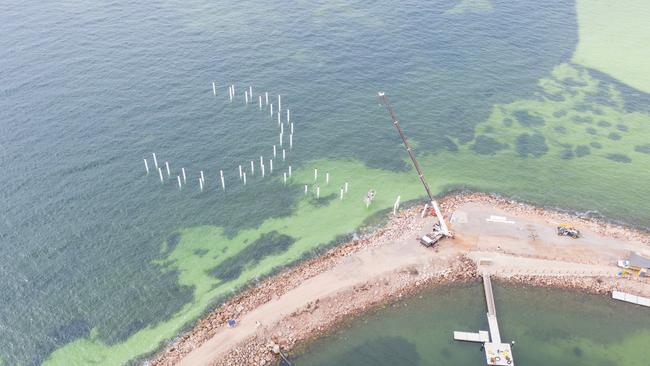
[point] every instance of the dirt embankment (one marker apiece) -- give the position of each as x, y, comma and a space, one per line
375, 280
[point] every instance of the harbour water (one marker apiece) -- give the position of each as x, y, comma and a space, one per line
101, 263
549, 327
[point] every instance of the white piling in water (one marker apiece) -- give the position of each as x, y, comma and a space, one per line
250, 92
271, 109
318, 192
291, 128
279, 123
306, 188
263, 170
288, 116
223, 182
280, 140
167, 167
160, 173
346, 187
327, 178
246, 95
315, 174
146, 166
289, 171
285, 177
155, 161
396, 205
341, 194
279, 102
271, 165
252, 168
266, 95
424, 210
244, 178
291, 141
260, 100
202, 176
178, 178
240, 175
184, 176
230, 93
284, 155
261, 160
201, 184
281, 128
214, 88
274, 152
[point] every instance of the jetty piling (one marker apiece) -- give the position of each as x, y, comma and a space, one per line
285, 178
252, 168
240, 175
155, 161
284, 155
318, 192
167, 167
260, 102
223, 182
315, 175
201, 184
146, 166
178, 178
274, 152
244, 178
306, 189
279, 102
184, 176
161, 176
291, 141
346, 187
214, 89
327, 178
266, 95
396, 205
271, 166
289, 171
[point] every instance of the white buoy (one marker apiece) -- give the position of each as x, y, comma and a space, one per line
289, 171
279, 102
201, 184
274, 152
178, 178
263, 170
160, 173
280, 140
167, 167
155, 161
202, 176
396, 205
223, 182
315, 174
184, 176
424, 210
252, 168
318, 192
266, 95
271, 165
146, 166
341, 194
244, 178
240, 175
279, 118
288, 116
285, 177
214, 89
260, 100
327, 178
271, 110
306, 188
284, 155
346, 187
290, 141
291, 128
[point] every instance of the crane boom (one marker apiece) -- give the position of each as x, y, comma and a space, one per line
384, 99
436, 208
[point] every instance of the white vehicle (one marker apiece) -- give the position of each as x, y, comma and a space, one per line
623, 263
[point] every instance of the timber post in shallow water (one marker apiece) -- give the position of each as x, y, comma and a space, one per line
167, 167
160, 173
184, 177
155, 161
146, 166
178, 178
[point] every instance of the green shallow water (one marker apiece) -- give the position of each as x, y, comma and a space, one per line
549, 326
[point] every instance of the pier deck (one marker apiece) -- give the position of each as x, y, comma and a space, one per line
496, 352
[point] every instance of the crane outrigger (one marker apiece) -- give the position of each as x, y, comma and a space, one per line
441, 229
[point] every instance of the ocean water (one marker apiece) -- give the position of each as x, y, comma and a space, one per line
549, 327
101, 263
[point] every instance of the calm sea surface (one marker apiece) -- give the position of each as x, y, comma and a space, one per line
89, 89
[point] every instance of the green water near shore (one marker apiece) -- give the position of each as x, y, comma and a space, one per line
549, 326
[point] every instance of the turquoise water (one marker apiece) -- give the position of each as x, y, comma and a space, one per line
549, 327
97, 258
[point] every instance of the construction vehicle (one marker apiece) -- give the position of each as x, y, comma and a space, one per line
568, 230
439, 230
636, 264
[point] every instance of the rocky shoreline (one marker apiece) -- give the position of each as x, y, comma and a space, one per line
323, 314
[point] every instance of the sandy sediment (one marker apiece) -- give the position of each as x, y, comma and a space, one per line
323, 313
